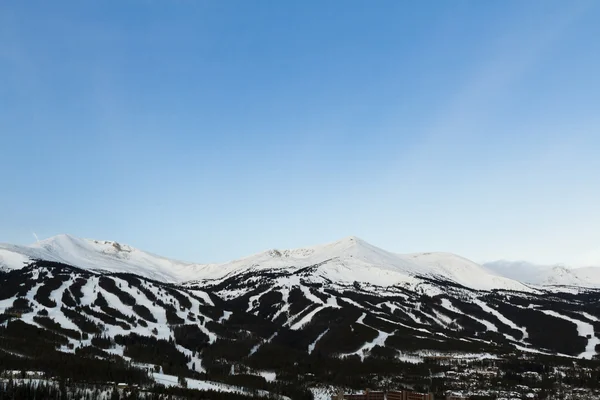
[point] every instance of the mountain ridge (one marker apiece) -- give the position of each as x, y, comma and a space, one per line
95, 255
546, 275
348, 259
303, 322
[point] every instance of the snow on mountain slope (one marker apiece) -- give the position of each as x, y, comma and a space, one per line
463, 271
99, 256
557, 275
522, 271
347, 260
10, 259
352, 259
584, 277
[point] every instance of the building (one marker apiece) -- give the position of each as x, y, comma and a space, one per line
408, 395
367, 395
391, 395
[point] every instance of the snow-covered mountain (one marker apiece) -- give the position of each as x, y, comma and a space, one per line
290, 315
557, 275
353, 259
347, 260
522, 271
97, 255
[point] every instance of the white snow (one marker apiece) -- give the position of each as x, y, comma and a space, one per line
331, 302
324, 393
368, 346
501, 317
172, 380
57, 315
204, 296
409, 358
285, 292
225, 317
378, 341
350, 301
99, 255
6, 303
346, 261
253, 300
307, 293
589, 316
583, 329
463, 271
90, 290
311, 347
557, 275
140, 299
256, 347
11, 260
269, 376
488, 325
361, 319
196, 361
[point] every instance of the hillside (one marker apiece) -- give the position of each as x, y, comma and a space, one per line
289, 322
98, 255
546, 275
347, 260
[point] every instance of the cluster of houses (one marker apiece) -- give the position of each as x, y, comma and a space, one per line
393, 395
20, 374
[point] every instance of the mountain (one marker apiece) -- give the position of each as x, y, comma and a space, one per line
521, 271
347, 260
557, 275
352, 259
98, 255
282, 322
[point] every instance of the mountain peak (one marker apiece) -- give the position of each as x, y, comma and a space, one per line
345, 260
348, 242
65, 241
60, 238
62, 241
351, 240
334, 249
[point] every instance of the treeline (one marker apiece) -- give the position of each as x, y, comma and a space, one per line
26, 347
149, 350
25, 389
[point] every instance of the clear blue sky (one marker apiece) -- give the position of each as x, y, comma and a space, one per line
210, 130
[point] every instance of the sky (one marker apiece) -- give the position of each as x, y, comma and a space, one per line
210, 130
